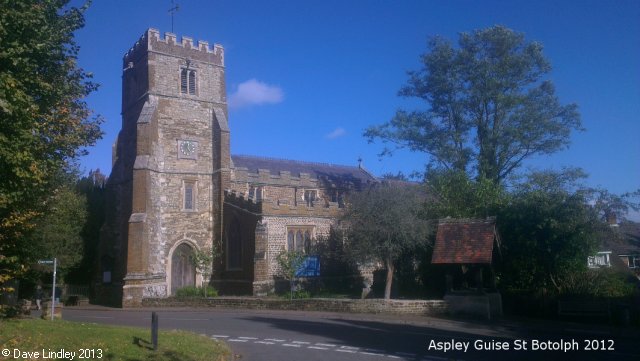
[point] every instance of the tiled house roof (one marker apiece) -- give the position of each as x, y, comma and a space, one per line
624, 239
464, 241
321, 171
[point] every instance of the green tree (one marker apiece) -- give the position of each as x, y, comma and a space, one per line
202, 260
44, 119
453, 194
489, 106
384, 221
547, 233
612, 207
58, 231
290, 262
92, 187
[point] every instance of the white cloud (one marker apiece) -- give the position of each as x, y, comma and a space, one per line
254, 92
338, 132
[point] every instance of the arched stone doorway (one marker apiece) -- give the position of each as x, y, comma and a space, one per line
183, 272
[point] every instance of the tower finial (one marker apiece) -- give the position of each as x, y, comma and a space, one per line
172, 11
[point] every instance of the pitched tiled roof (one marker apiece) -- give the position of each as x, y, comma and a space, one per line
324, 171
464, 241
623, 239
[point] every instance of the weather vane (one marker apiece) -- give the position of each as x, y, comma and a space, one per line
172, 11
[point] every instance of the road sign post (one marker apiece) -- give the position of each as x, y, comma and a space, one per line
53, 293
53, 290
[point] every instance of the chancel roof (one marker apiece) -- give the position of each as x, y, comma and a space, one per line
321, 171
464, 241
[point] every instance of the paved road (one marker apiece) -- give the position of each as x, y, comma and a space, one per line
309, 336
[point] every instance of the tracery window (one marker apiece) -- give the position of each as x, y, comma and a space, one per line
300, 238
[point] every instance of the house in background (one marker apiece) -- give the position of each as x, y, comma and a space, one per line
620, 248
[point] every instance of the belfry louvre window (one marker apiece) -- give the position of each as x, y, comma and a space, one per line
188, 81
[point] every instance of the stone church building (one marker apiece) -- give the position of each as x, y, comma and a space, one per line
175, 187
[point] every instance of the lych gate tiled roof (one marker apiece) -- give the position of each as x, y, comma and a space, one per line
464, 241
323, 171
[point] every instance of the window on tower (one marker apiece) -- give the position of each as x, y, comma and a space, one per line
189, 196
188, 81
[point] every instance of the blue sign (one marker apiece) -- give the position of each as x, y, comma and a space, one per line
310, 267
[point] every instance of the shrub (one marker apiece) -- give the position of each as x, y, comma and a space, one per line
192, 291
297, 294
598, 283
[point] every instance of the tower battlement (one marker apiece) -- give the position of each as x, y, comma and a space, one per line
152, 41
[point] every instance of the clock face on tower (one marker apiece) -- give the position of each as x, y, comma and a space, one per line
187, 149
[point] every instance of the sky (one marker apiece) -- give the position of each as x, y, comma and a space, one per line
305, 78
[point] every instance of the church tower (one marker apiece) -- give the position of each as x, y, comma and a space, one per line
171, 166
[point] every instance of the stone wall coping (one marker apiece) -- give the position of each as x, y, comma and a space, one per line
379, 306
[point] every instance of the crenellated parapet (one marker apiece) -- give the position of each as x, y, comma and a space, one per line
281, 178
281, 207
240, 200
152, 41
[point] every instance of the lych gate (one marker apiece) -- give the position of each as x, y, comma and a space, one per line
466, 247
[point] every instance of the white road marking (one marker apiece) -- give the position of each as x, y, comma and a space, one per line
349, 348
324, 347
371, 353
264, 342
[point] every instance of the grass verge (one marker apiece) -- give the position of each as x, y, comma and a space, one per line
114, 342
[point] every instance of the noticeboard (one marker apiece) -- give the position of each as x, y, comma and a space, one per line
310, 267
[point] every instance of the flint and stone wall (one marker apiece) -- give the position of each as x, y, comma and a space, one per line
411, 307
